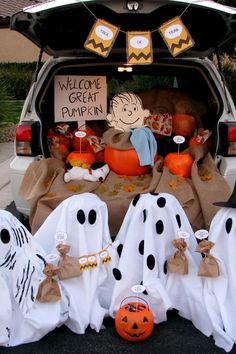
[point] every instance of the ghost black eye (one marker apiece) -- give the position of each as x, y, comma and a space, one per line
5, 236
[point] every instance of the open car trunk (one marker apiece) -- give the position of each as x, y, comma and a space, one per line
60, 28
168, 86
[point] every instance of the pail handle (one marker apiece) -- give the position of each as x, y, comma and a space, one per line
136, 297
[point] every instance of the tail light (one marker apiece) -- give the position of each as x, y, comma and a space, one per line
227, 138
27, 139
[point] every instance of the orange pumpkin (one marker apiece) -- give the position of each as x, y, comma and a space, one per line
179, 163
134, 321
183, 124
124, 162
81, 159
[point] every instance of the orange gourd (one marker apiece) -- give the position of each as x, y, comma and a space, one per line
134, 321
183, 124
124, 162
179, 163
81, 159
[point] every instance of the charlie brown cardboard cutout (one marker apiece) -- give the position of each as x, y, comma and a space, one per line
126, 112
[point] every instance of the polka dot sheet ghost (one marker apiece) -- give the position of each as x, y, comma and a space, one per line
144, 245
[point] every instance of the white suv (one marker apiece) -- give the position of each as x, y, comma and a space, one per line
60, 28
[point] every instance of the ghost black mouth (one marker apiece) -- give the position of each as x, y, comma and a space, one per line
129, 123
133, 335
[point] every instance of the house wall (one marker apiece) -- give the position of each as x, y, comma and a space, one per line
15, 48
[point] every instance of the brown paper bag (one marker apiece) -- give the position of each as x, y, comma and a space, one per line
178, 263
49, 290
68, 266
208, 266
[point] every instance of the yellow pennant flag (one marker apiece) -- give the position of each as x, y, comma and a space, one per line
139, 48
101, 37
176, 36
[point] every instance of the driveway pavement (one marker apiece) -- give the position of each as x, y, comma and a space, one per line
6, 156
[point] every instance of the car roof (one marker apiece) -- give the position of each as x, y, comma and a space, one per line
61, 27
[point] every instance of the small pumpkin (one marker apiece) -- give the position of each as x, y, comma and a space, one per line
179, 163
134, 321
80, 159
124, 162
183, 124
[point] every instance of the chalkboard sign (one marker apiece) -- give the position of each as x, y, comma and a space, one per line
80, 98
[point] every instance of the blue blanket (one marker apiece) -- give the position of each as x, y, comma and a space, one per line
145, 145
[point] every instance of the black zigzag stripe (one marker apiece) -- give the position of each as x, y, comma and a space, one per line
88, 266
181, 42
97, 45
138, 57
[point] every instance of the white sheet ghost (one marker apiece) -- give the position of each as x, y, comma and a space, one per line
83, 220
144, 243
220, 292
21, 271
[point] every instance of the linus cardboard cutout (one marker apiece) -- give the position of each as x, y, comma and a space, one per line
127, 117
126, 112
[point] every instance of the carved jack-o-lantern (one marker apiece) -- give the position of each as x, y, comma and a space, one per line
134, 321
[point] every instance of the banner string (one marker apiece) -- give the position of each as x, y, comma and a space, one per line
88, 9
153, 31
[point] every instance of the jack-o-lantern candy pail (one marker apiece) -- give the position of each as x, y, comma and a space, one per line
134, 320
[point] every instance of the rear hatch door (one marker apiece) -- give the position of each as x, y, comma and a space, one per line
61, 27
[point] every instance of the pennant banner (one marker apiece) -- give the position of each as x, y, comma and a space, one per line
101, 37
176, 36
139, 48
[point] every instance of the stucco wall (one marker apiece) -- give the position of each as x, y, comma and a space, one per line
16, 48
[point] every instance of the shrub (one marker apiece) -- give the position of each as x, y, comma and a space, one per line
4, 106
16, 78
229, 70
228, 65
